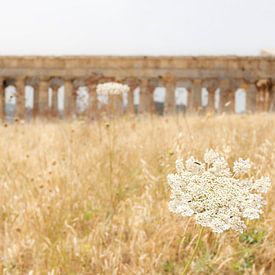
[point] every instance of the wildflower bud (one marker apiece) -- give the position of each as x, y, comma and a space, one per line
171, 153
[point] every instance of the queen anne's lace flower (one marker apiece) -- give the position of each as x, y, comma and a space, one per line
194, 166
262, 185
241, 166
112, 88
217, 199
210, 156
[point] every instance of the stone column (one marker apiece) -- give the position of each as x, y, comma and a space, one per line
263, 98
251, 93
93, 101
69, 99
170, 96
2, 99
224, 100
211, 86
231, 97
187, 84
115, 105
195, 96
54, 107
227, 100
211, 100
150, 98
41, 102
35, 110
268, 92
268, 100
227, 96
20, 98
190, 100
272, 99
130, 99
144, 97
260, 100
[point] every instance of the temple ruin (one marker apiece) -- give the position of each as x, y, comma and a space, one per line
254, 75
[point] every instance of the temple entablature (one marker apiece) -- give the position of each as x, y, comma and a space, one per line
220, 77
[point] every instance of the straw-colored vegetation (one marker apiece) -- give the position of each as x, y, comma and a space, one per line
91, 198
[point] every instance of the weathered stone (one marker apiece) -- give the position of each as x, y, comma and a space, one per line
143, 98
272, 100
190, 67
133, 83
195, 97
264, 95
187, 84
115, 107
251, 92
227, 95
69, 99
2, 98
146, 104
211, 100
211, 85
20, 98
54, 107
42, 98
170, 96
148, 72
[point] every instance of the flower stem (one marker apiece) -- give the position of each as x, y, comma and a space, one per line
194, 253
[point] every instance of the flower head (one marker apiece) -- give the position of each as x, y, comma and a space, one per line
241, 166
112, 88
210, 156
213, 195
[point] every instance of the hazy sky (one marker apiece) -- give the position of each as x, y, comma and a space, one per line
137, 27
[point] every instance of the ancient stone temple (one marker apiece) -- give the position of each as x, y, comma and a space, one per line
254, 75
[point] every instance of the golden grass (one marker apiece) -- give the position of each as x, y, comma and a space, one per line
91, 198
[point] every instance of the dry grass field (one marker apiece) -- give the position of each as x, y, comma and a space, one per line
91, 198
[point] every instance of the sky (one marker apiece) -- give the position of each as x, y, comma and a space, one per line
136, 27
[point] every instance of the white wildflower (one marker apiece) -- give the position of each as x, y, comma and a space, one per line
251, 213
194, 166
112, 88
262, 185
179, 165
216, 198
220, 167
210, 156
218, 225
241, 166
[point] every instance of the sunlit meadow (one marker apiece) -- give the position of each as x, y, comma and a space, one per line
92, 197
